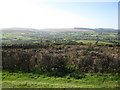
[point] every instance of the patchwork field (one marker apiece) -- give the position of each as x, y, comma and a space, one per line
61, 36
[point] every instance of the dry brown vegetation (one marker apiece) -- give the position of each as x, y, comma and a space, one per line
60, 60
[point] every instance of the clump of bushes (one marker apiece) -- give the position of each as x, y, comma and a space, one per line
59, 60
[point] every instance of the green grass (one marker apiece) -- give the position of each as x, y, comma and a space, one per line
29, 80
92, 41
90, 36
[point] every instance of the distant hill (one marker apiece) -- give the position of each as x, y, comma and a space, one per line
64, 30
10, 30
99, 29
106, 30
61, 35
21, 30
83, 28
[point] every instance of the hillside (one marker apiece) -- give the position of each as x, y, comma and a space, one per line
59, 58
84, 35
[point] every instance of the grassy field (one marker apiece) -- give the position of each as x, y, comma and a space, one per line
29, 80
92, 41
59, 37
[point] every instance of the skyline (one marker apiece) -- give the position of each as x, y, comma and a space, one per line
40, 15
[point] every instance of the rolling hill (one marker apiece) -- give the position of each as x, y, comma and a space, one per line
61, 35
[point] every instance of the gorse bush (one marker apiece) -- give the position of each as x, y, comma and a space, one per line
61, 60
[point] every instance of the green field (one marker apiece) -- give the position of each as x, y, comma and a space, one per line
92, 42
59, 37
29, 80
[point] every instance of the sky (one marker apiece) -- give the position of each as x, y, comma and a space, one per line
41, 14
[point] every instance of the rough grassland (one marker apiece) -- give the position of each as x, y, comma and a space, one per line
29, 80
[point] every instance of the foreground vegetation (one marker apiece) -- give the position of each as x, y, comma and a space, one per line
60, 66
60, 59
30, 80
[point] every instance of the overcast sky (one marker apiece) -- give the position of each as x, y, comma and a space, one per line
43, 14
